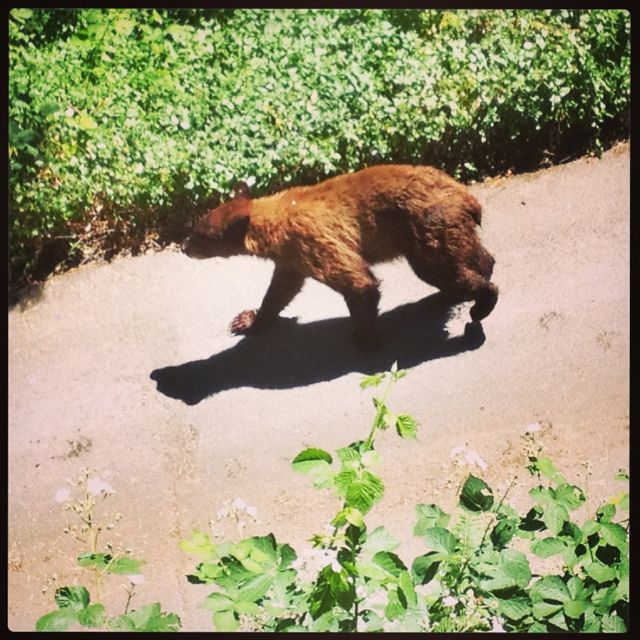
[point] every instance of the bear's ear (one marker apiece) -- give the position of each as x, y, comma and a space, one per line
236, 226
241, 190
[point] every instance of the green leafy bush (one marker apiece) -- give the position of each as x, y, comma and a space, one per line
75, 610
473, 576
139, 114
480, 571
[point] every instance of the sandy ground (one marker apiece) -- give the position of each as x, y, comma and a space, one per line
128, 368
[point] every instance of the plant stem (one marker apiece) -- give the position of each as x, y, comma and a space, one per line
381, 409
129, 596
93, 536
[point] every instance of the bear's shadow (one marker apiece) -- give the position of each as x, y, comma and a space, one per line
291, 355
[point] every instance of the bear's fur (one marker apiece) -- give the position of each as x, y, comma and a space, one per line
335, 230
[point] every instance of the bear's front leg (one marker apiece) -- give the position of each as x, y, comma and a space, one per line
285, 284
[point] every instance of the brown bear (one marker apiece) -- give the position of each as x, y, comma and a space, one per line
335, 230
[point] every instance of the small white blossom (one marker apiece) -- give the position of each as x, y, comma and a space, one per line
62, 495
496, 626
456, 450
96, 486
69, 112
239, 504
472, 457
252, 511
137, 578
450, 601
534, 426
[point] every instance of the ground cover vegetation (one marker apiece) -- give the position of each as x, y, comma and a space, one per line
483, 566
124, 122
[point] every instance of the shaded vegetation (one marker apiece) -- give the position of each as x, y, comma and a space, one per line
129, 120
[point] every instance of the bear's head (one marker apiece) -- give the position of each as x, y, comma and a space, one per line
221, 231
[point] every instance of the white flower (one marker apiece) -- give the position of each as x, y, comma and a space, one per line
137, 578
472, 457
534, 426
456, 450
449, 601
239, 504
62, 495
496, 626
69, 112
96, 486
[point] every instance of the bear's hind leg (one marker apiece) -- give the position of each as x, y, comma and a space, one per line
458, 283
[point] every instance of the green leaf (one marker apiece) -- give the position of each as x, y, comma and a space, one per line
545, 609
514, 608
429, 515
226, 621
125, 566
87, 122
613, 624
372, 381
554, 516
248, 608
396, 605
605, 513
75, 598
330, 588
405, 584
308, 458
390, 562
589, 528
440, 539
569, 496
124, 26
512, 570
379, 540
425, 567
200, 545
406, 426
255, 588
600, 572
208, 571
59, 620
94, 560
550, 588
93, 616
575, 608
21, 14
287, 555
548, 469
349, 454
615, 535
371, 458
548, 547
148, 618
217, 602
503, 532
348, 514
476, 495
364, 492
604, 598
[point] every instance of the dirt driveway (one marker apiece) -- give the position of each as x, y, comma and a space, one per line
128, 368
